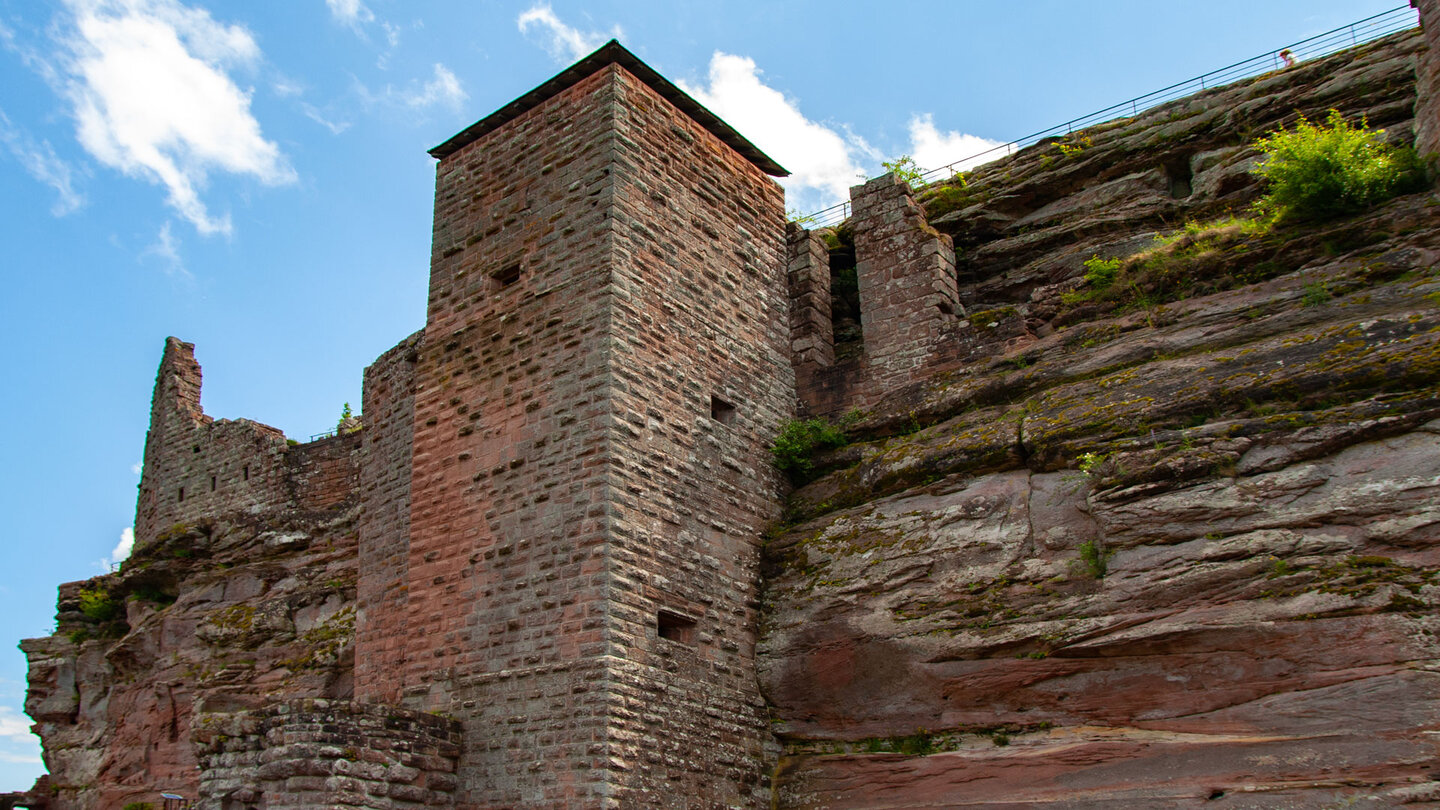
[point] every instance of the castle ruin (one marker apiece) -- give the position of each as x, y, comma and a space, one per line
558, 499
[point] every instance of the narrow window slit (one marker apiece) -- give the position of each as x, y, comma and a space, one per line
507, 275
212, 483
675, 627
721, 411
182, 494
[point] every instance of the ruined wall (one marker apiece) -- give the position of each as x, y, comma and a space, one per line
812, 328
303, 754
240, 593
196, 467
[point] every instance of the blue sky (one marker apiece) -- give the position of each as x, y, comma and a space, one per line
253, 177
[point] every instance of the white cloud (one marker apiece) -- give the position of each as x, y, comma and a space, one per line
152, 97
823, 162
119, 554
564, 43
122, 549
40, 162
932, 148
350, 12
17, 744
313, 113
13, 725
442, 89
137, 467
167, 251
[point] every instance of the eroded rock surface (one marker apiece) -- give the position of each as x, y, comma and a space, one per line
220, 616
1173, 548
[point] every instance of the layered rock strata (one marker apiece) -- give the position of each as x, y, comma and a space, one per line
1171, 546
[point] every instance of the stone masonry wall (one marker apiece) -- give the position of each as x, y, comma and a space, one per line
306, 754
910, 308
196, 467
700, 381
592, 406
389, 409
812, 330
906, 270
324, 474
507, 572
1427, 74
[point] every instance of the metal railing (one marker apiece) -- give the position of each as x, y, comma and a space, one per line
1348, 36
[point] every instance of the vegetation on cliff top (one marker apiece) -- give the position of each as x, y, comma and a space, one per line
1321, 171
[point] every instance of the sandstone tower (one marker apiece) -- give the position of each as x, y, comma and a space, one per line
570, 566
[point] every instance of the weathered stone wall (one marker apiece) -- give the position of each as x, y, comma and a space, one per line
812, 329
507, 571
592, 408
306, 754
324, 474
906, 271
909, 307
700, 381
196, 467
389, 434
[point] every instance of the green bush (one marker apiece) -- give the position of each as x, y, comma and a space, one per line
98, 605
1101, 272
1319, 171
1095, 559
138, 806
905, 168
799, 439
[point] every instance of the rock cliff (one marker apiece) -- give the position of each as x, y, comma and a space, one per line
1170, 546
213, 616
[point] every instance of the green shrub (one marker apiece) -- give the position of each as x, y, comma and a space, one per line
1095, 559
138, 806
98, 605
1101, 272
799, 439
1319, 171
905, 168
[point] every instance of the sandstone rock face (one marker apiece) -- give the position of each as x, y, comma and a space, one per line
218, 616
1172, 547
1427, 73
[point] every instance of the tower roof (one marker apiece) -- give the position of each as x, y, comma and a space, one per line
610, 53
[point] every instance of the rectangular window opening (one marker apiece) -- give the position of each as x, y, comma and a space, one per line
245, 473
721, 411
212, 483
507, 275
182, 494
675, 627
